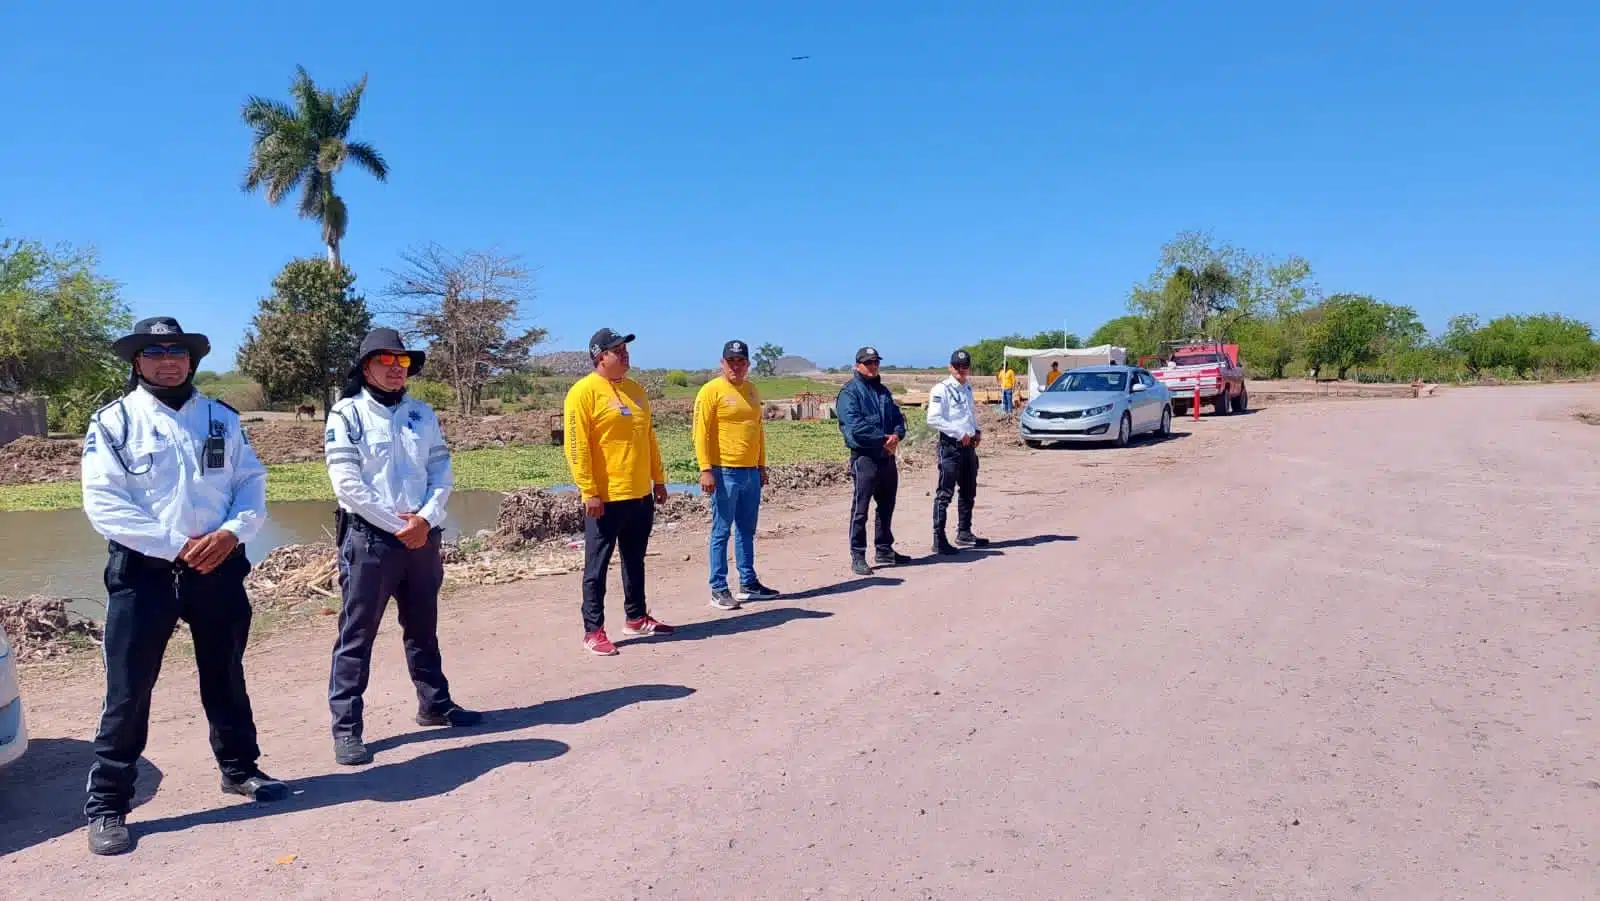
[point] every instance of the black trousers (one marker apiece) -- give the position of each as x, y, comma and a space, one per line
958, 469
374, 566
146, 598
624, 525
876, 480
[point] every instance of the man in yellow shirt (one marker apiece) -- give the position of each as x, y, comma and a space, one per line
1008, 384
1051, 376
730, 443
616, 463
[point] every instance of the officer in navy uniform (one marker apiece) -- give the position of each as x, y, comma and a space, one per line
171, 482
391, 473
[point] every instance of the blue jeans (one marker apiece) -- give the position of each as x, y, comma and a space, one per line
735, 505
1005, 400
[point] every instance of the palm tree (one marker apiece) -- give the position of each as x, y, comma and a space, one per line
305, 146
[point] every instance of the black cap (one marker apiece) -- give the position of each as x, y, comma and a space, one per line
381, 340
605, 340
160, 330
868, 354
736, 350
961, 359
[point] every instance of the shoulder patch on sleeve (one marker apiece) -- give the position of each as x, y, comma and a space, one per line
331, 437
90, 441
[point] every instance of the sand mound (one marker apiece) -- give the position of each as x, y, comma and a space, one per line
31, 459
531, 515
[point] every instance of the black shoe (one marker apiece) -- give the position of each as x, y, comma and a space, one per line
755, 591
455, 716
257, 787
109, 835
944, 548
894, 558
967, 539
858, 565
349, 750
722, 599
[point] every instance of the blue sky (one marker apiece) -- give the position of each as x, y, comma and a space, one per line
935, 172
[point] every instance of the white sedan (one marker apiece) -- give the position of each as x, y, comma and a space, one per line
13, 729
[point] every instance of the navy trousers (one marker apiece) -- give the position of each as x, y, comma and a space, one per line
373, 567
146, 596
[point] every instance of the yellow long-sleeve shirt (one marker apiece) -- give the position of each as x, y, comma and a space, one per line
611, 439
728, 430
1008, 378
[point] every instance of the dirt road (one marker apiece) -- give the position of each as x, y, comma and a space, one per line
1373, 678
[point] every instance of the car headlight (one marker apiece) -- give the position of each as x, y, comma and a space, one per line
1096, 411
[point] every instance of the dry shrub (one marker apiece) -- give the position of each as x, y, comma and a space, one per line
531, 515
247, 398
41, 628
296, 573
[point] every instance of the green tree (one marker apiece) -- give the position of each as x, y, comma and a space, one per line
988, 354
305, 146
766, 360
1130, 331
1355, 330
305, 335
58, 318
1200, 285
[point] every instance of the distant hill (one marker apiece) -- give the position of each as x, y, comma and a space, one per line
792, 364
565, 362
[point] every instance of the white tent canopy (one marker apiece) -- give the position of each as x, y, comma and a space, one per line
1039, 359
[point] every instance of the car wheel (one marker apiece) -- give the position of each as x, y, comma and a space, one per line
1222, 403
1243, 403
1125, 430
1165, 430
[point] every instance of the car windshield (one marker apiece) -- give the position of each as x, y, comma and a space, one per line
1091, 381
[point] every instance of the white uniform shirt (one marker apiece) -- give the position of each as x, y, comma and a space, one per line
951, 409
144, 482
385, 462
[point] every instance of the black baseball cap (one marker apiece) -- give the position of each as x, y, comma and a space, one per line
736, 350
605, 340
961, 359
868, 354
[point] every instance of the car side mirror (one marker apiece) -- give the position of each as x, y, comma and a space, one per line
1138, 386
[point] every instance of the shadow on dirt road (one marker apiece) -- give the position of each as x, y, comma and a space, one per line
437, 772
563, 712
41, 795
733, 625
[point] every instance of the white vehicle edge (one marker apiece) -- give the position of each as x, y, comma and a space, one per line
13, 726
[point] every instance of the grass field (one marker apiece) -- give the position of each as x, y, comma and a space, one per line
491, 469
781, 387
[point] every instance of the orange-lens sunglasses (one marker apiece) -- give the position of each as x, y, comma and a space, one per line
387, 359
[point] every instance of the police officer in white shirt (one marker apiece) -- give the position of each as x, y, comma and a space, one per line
391, 474
171, 482
952, 412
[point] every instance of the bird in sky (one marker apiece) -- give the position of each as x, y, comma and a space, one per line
793, 58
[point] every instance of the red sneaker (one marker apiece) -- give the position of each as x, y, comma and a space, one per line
598, 643
648, 625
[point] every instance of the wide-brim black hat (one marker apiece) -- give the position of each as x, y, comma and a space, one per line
160, 330
381, 340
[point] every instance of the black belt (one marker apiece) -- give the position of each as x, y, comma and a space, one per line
156, 563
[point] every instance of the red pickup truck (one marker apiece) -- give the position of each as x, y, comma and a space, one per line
1211, 365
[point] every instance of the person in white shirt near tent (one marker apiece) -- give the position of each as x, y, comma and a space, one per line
954, 414
170, 481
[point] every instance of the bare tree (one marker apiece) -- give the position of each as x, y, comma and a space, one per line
468, 308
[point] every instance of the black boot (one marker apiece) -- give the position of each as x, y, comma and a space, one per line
967, 539
349, 750
858, 565
454, 716
109, 835
258, 786
943, 547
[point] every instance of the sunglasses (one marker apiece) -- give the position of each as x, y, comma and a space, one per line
388, 359
159, 351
